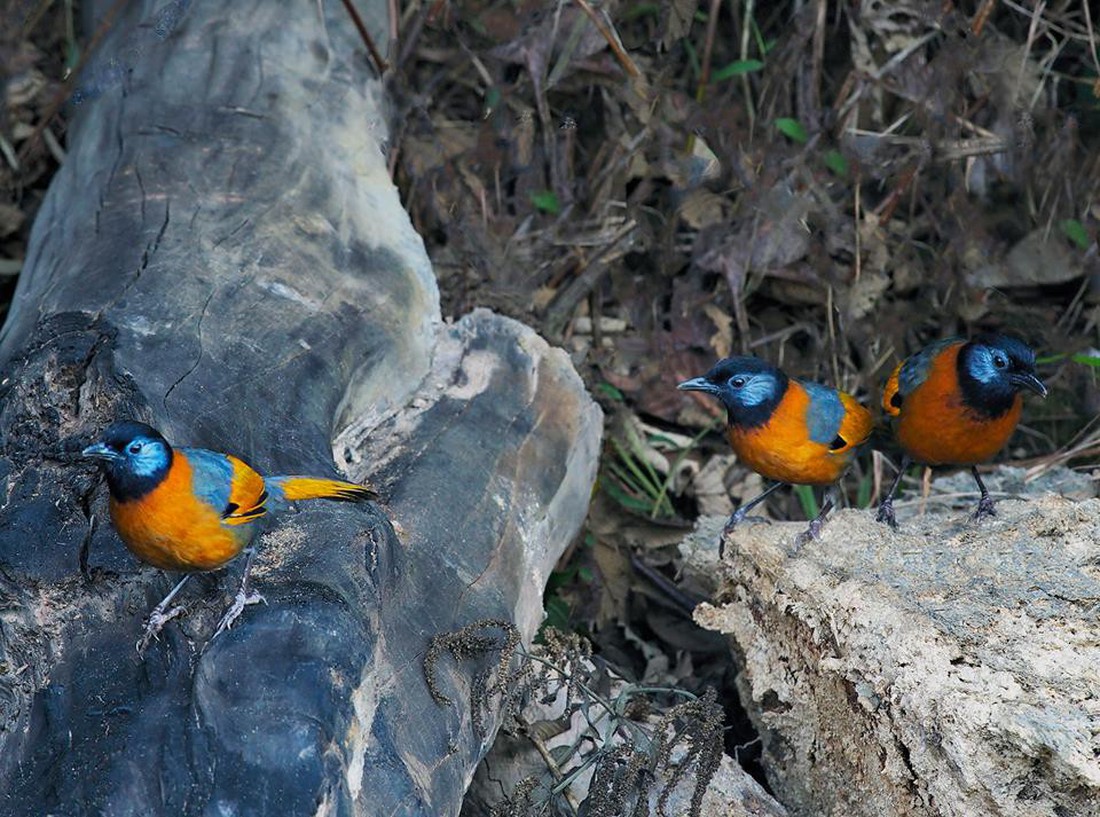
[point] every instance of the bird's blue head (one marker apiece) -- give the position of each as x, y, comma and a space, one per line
749, 388
993, 369
134, 456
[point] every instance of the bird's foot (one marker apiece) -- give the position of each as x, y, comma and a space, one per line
885, 514
985, 508
731, 524
736, 520
811, 534
155, 623
243, 599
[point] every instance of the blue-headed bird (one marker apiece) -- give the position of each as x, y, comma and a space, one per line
192, 510
956, 402
789, 430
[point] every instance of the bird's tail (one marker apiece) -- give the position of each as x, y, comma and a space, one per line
294, 488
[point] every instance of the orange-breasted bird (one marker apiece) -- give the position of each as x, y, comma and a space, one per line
792, 431
191, 510
956, 402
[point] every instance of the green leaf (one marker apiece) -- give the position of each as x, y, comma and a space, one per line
547, 202
642, 10
1044, 360
1075, 231
792, 129
835, 161
693, 58
626, 500
72, 55
559, 578
557, 613
863, 491
1087, 360
805, 494
492, 99
627, 482
736, 68
645, 480
609, 391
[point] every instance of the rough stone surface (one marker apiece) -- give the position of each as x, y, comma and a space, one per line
949, 668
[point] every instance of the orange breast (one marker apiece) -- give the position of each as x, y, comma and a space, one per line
782, 449
935, 427
172, 529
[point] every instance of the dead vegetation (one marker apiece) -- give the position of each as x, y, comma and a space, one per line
616, 747
825, 185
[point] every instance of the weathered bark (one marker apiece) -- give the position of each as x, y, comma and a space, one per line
948, 668
224, 255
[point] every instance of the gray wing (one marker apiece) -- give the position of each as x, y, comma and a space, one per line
915, 368
825, 413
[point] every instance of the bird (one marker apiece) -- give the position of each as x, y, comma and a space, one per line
194, 510
785, 429
956, 402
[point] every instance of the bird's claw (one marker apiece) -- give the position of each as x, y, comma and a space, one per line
986, 507
731, 525
155, 623
811, 534
885, 514
243, 599
736, 520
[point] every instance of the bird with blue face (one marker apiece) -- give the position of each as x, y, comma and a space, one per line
789, 430
956, 402
192, 510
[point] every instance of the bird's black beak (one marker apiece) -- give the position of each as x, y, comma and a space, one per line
1029, 382
698, 384
101, 451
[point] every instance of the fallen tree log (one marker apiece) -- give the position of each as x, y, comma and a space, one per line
948, 668
224, 256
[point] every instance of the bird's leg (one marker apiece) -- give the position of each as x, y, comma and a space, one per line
985, 504
158, 618
817, 523
242, 600
741, 514
886, 506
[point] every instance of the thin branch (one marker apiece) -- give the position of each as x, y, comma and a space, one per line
612, 41
379, 62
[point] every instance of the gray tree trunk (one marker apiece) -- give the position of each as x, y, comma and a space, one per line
224, 255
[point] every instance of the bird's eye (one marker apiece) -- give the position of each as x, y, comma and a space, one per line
999, 361
737, 382
135, 448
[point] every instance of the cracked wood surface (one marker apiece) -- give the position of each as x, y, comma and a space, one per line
224, 255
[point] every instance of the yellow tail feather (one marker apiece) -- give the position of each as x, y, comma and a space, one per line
295, 488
